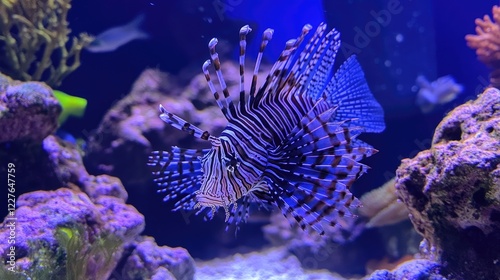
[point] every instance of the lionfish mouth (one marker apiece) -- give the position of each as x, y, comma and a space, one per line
205, 200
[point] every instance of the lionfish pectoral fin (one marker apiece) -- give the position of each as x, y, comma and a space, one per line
312, 205
316, 136
349, 89
239, 212
314, 169
177, 173
183, 125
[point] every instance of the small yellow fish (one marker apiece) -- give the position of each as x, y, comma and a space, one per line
71, 105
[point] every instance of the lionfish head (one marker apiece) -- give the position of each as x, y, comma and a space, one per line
218, 167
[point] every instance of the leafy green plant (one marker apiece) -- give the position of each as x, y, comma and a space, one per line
86, 260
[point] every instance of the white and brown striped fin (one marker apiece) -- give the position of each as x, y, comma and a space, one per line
313, 171
267, 35
177, 171
228, 108
183, 125
243, 47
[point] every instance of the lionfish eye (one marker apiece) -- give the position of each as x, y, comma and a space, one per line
231, 162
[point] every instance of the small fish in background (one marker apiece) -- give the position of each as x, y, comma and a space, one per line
291, 143
115, 37
440, 91
71, 105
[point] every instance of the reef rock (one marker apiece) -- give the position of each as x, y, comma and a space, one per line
52, 164
333, 251
452, 190
274, 263
40, 214
410, 270
28, 110
150, 261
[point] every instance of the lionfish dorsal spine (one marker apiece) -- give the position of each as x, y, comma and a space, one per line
243, 46
267, 35
212, 88
183, 125
214, 56
287, 75
306, 59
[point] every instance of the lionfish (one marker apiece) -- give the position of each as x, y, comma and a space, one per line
291, 143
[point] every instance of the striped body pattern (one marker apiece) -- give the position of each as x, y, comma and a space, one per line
291, 142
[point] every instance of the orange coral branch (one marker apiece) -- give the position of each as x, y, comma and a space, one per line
487, 43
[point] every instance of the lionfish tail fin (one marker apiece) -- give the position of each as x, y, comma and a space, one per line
312, 210
348, 89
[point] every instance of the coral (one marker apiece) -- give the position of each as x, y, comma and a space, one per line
452, 190
274, 263
386, 263
41, 263
411, 270
76, 257
149, 261
487, 43
28, 110
65, 160
50, 242
41, 214
104, 185
34, 40
86, 258
51, 164
132, 126
382, 207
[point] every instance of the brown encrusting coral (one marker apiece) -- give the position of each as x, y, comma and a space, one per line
487, 44
34, 37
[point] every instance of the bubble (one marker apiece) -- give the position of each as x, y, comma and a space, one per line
399, 38
387, 63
